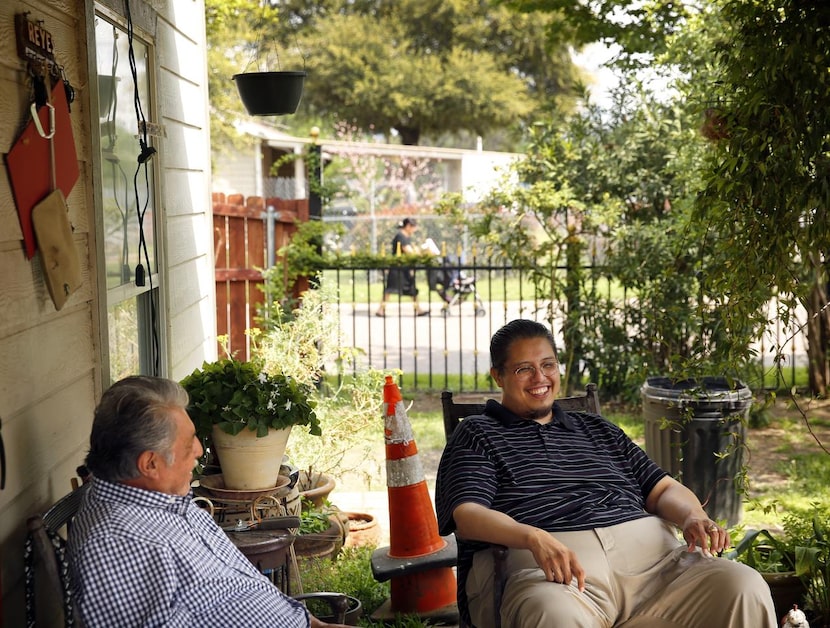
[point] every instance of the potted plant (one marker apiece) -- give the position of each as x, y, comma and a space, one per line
269, 90
774, 558
307, 342
795, 563
246, 414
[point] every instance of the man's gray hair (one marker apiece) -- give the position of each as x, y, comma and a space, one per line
133, 416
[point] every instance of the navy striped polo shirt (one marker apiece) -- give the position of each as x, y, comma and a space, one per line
576, 472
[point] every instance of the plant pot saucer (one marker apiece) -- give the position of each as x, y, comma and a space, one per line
215, 485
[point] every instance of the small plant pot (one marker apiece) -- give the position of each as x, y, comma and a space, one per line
270, 93
364, 530
315, 488
353, 613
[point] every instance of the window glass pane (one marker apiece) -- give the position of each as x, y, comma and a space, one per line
127, 185
122, 321
127, 195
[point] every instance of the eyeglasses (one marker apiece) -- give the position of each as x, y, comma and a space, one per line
528, 372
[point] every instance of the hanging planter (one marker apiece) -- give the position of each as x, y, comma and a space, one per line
270, 93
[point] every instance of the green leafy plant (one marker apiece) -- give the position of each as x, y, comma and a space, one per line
314, 521
809, 531
307, 344
802, 547
236, 395
765, 552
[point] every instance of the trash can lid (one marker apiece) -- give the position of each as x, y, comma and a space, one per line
718, 391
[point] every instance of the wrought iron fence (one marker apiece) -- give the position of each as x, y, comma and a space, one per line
449, 347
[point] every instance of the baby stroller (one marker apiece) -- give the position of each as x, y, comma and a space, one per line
454, 287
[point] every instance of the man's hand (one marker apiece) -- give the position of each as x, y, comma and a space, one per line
704, 533
554, 558
672, 501
477, 522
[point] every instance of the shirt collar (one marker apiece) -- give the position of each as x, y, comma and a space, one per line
122, 493
494, 409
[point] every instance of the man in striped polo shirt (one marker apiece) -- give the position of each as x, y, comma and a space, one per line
588, 517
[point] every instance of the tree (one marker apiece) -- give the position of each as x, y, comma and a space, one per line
618, 177
234, 32
764, 209
639, 27
425, 68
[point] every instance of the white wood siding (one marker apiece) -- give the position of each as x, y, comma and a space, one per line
50, 361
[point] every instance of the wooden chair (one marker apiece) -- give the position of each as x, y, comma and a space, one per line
46, 545
454, 413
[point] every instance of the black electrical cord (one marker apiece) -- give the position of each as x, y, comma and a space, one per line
144, 156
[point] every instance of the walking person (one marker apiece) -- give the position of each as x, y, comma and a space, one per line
401, 281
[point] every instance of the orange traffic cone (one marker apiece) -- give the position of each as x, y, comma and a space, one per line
419, 561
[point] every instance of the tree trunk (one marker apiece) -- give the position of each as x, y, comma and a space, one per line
818, 333
572, 332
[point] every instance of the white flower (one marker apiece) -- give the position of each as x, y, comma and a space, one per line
288, 405
263, 377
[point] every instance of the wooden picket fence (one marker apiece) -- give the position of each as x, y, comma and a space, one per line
240, 238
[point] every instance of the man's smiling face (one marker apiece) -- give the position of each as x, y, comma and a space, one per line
530, 380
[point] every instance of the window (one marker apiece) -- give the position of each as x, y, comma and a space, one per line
128, 226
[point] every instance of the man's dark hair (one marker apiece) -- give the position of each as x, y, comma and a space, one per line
509, 333
133, 416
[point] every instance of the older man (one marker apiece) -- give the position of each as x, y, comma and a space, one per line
585, 513
140, 552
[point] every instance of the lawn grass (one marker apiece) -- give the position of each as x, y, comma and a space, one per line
362, 286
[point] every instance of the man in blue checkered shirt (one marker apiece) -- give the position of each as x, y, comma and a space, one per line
140, 552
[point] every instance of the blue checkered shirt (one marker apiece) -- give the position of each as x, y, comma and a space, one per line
143, 558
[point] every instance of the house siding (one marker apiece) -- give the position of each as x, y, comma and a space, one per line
52, 362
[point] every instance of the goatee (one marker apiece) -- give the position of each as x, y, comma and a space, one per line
541, 413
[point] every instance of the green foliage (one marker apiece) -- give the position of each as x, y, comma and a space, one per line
307, 342
314, 521
765, 551
767, 180
350, 573
810, 533
236, 395
803, 547
427, 68
639, 27
619, 178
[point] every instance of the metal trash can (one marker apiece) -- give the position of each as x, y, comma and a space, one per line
695, 430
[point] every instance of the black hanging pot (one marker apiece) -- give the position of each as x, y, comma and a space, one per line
270, 93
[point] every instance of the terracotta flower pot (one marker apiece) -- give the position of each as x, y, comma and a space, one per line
364, 530
315, 488
247, 461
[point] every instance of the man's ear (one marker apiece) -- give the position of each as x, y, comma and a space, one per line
497, 376
148, 464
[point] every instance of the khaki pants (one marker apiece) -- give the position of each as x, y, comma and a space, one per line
638, 574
